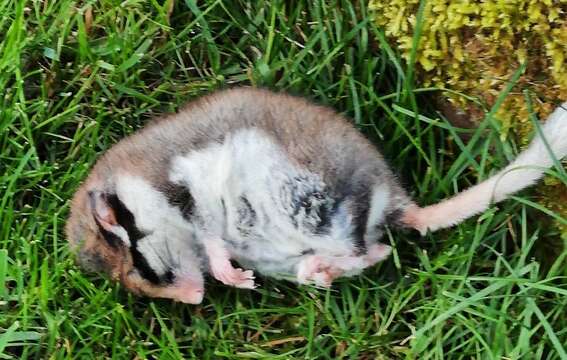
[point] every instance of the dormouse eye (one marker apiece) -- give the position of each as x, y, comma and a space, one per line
169, 277
150, 275
111, 238
151, 266
143, 267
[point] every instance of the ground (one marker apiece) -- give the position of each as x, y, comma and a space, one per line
78, 76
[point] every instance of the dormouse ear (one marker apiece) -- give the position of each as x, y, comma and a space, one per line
106, 218
102, 211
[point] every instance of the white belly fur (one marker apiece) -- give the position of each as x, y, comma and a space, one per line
250, 165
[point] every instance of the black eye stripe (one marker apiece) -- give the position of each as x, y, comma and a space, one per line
143, 267
112, 239
126, 219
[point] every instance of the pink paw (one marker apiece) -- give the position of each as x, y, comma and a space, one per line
314, 270
229, 275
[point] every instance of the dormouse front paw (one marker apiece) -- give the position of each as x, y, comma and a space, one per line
222, 269
228, 275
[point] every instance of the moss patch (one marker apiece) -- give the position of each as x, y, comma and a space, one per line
474, 47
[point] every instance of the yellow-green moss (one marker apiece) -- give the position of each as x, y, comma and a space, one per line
474, 47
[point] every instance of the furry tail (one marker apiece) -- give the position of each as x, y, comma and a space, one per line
528, 167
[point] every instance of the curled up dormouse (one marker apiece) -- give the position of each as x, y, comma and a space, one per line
283, 187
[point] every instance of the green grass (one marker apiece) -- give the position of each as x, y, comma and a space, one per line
73, 84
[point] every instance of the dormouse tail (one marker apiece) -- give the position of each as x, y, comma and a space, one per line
528, 167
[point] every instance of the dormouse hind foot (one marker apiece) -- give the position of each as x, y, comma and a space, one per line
323, 270
317, 270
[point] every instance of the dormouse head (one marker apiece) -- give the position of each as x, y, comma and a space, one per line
123, 231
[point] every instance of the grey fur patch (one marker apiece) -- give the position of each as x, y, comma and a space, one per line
307, 202
246, 216
180, 197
